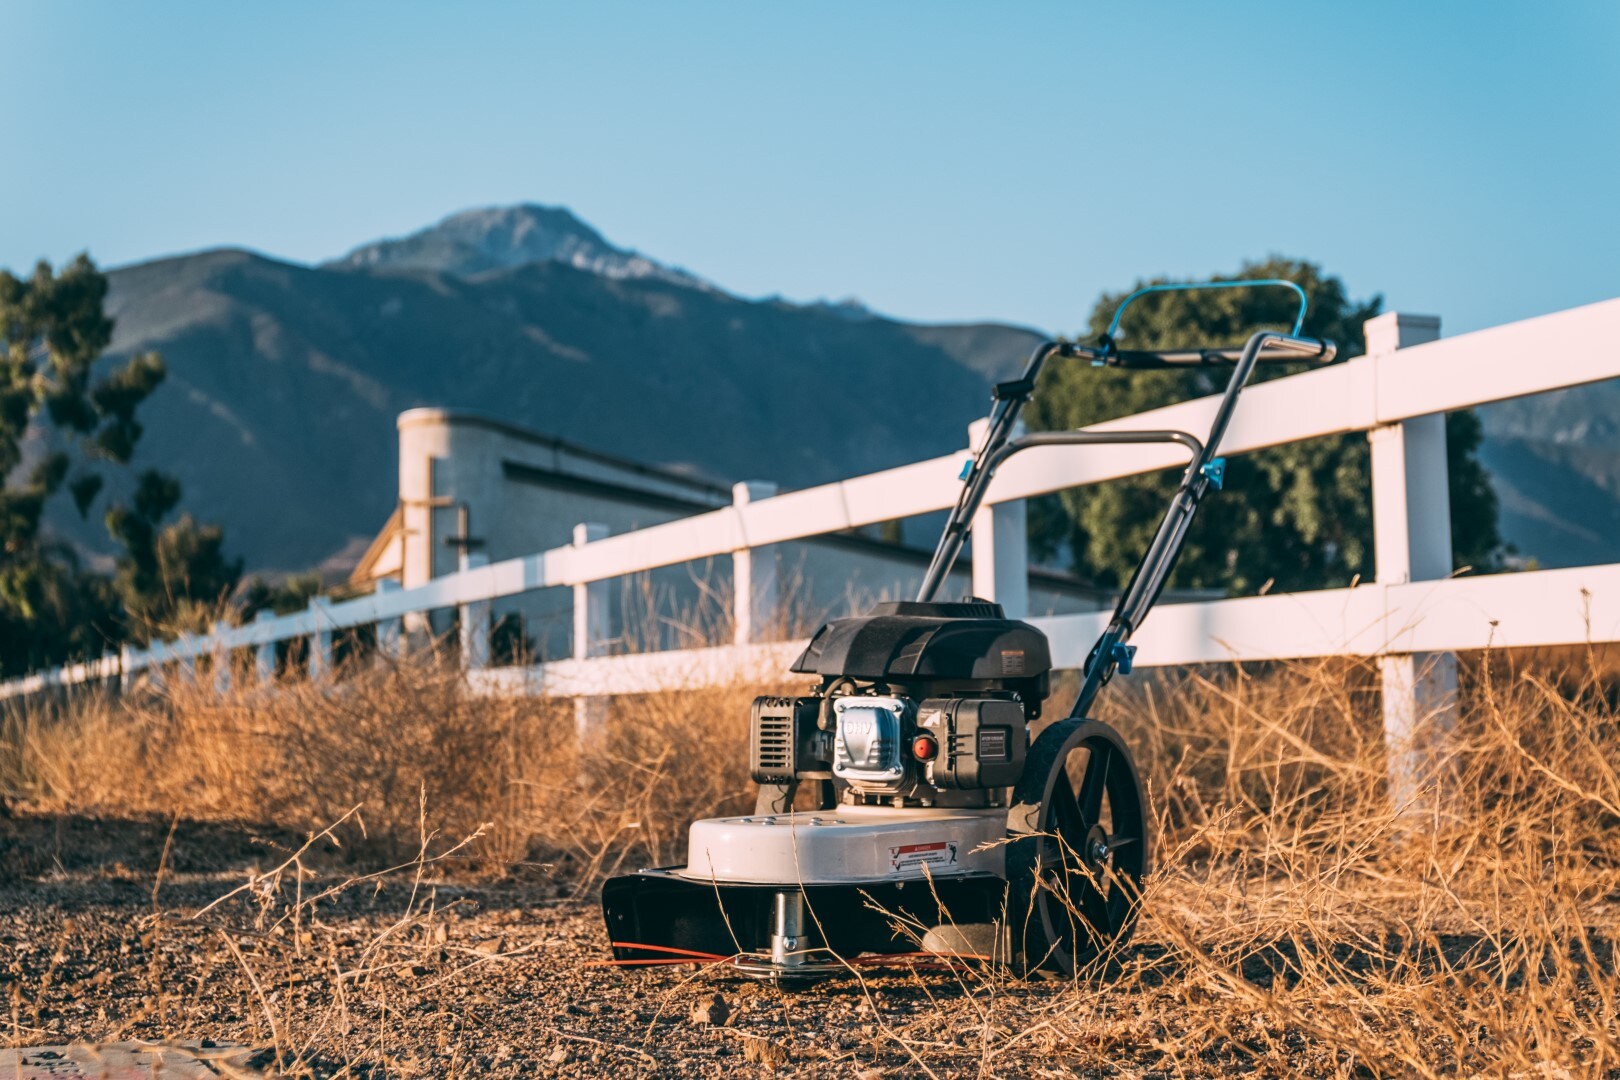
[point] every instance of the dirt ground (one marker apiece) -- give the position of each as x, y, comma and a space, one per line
412, 973
404, 977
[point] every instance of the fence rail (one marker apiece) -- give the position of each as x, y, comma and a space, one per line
1395, 394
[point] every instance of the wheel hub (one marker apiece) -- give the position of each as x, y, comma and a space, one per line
1097, 848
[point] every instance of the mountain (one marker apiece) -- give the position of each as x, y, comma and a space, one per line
285, 380
1554, 460
503, 237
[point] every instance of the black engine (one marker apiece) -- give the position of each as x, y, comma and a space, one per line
919, 704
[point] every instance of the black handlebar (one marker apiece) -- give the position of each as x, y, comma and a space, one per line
1279, 350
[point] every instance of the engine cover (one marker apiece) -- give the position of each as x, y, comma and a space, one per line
869, 742
925, 649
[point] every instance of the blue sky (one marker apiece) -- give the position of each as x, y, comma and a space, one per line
939, 161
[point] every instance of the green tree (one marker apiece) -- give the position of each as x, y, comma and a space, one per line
1298, 516
171, 577
62, 424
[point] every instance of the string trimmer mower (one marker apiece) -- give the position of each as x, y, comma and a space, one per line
932, 806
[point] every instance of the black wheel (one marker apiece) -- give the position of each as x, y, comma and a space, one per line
1077, 848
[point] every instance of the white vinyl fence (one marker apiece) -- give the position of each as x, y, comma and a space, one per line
1414, 616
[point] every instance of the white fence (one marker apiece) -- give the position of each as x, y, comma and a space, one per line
1397, 394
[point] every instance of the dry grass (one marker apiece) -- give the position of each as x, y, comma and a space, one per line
1296, 923
1302, 919
385, 741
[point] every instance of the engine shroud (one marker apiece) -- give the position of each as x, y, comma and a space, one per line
928, 650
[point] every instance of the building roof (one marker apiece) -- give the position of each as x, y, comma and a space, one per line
490, 422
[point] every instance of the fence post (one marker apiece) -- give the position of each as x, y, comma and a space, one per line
222, 659
264, 654
1000, 546
186, 667
126, 676
1412, 542
753, 574
320, 642
591, 627
473, 618
390, 632
159, 677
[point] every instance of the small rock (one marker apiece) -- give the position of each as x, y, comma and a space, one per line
493, 947
714, 1012
966, 939
560, 1056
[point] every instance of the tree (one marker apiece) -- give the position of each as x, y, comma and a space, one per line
171, 577
1297, 516
61, 425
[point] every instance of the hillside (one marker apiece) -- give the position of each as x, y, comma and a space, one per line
1555, 462
284, 382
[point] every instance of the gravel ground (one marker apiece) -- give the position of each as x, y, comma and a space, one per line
405, 977
430, 971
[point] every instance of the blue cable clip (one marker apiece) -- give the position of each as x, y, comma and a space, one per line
1122, 657
967, 467
1215, 470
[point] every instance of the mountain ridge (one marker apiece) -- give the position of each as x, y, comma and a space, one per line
493, 238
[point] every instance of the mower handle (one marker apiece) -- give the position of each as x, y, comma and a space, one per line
1279, 349
983, 469
1010, 398
1094, 438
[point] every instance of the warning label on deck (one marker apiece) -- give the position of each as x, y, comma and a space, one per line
940, 853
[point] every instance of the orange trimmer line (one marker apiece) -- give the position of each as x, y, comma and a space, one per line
665, 949
670, 962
